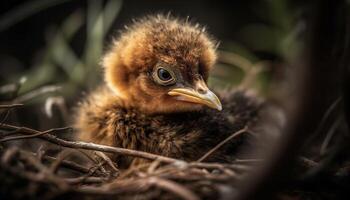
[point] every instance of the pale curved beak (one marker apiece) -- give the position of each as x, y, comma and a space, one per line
207, 97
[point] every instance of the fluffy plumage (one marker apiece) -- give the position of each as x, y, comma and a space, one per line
152, 41
136, 110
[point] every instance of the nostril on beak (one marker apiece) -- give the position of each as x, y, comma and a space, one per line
202, 90
200, 86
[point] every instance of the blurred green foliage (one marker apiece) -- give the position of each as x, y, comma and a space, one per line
276, 37
79, 71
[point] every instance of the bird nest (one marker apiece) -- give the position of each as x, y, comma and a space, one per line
50, 165
54, 166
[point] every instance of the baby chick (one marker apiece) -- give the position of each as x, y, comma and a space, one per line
156, 99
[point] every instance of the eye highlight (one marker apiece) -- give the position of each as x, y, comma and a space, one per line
164, 76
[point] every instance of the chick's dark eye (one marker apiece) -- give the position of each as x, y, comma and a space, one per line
164, 75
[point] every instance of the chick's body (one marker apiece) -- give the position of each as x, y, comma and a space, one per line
156, 99
186, 135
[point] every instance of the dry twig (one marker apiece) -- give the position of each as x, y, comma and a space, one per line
209, 153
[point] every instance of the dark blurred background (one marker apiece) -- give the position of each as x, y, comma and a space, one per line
256, 30
226, 20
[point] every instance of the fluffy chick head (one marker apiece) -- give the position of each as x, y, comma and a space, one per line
161, 65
